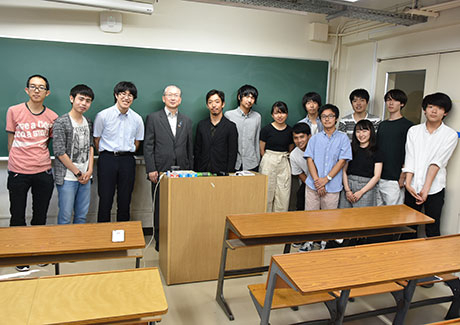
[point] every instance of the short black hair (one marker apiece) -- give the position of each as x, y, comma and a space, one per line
213, 92
301, 128
123, 86
281, 106
82, 90
398, 95
438, 99
311, 96
360, 93
247, 90
41, 77
333, 108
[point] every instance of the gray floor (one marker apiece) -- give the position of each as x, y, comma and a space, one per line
195, 303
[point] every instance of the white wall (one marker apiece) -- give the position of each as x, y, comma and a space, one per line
177, 25
443, 71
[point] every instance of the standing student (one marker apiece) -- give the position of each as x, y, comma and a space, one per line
73, 148
429, 147
248, 124
168, 142
216, 142
391, 141
301, 133
29, 127
361, 175
359, 99
311, 102
326, 154
118, 130
275, 144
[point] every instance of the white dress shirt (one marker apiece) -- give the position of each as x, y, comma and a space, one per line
424, 149
172, 119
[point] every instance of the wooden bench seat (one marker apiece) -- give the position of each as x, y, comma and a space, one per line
287, 297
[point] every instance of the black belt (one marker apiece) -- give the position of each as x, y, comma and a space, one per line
118, 153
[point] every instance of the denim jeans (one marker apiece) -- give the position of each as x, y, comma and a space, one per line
73, 197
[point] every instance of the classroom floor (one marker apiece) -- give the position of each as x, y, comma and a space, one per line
195, 303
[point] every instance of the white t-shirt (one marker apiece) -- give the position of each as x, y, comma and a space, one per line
298, 162
80, 148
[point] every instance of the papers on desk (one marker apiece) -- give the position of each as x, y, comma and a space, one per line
244, 173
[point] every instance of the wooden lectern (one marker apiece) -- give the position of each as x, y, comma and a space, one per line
192, 222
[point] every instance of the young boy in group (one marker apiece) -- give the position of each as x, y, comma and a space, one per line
391, 141
301, 133
326, 154
248, 124
29, 127
311, 102
359, 99
429, 147
73, 148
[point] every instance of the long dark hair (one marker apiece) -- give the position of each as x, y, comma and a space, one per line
364, 125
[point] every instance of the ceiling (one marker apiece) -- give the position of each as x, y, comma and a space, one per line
384, 11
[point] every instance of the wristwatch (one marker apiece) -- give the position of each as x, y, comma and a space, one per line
78, 174
329, 178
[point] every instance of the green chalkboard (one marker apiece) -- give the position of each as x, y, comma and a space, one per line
101, 67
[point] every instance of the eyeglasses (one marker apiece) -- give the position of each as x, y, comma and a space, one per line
39, 88
171, 95
126, 94
325, 117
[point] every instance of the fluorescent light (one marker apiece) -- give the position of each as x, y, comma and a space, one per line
122, 5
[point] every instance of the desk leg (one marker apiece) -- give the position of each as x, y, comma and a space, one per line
403, 304
56, 269
220, 281
338, 313
265, 314
453, 312
138, 262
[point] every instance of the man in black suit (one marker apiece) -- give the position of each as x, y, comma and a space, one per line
168, 142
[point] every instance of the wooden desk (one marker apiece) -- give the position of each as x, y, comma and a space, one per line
83, 298
364, 265
69, 243
247, 230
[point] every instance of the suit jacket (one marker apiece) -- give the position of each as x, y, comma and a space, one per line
161, 148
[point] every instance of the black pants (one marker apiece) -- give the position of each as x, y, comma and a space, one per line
433, 208
115, 172
300, 204
42, 185
156, 216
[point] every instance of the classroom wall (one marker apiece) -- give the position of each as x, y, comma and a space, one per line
177, 25
358, 65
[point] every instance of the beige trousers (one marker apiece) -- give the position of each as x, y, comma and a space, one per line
276, 166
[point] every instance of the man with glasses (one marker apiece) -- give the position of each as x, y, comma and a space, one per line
168, 142
326, 154
29, 126
118, 131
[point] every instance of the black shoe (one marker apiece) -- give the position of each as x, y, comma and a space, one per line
22, 268
43, 265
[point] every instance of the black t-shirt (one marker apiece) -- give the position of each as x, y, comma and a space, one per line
391, 142
363, 164
276, 140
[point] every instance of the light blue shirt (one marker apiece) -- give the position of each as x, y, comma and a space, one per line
318, 123
326, 152
118, 131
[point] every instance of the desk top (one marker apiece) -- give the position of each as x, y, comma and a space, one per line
259, 225
109, 296
345, 268
62, 239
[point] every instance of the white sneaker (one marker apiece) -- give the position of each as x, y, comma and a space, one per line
22, 268
306, 247
297, 245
